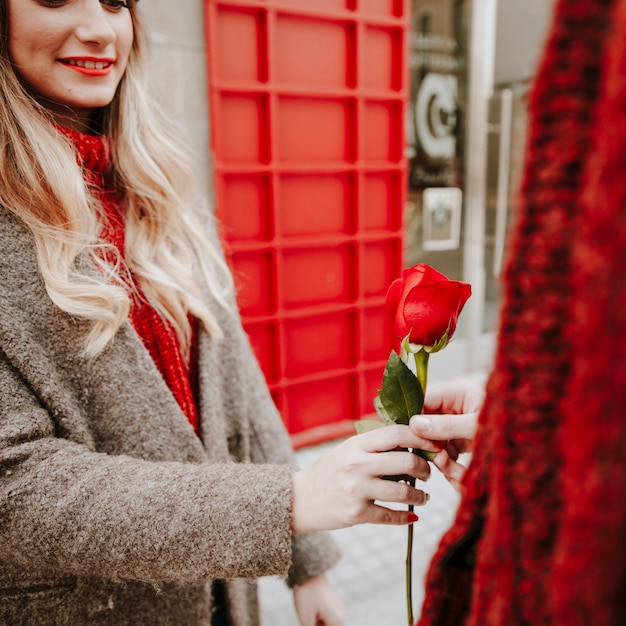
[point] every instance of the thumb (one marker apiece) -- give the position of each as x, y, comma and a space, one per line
444, 427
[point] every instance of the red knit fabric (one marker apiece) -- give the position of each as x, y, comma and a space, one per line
157, 334
540, 536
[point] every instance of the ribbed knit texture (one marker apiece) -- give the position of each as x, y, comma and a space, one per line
156, 333
540, 536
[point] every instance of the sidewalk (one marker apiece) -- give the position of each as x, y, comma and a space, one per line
370, 578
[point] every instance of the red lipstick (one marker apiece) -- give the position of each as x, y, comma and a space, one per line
89, 66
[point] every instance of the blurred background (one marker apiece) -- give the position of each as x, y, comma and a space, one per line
340, 141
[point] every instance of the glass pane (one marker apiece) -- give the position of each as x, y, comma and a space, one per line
508, 124
435, 132
520, 34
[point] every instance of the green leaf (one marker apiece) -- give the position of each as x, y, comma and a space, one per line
401, 395
382, 413
364, 426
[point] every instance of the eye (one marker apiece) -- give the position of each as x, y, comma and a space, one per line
115, 5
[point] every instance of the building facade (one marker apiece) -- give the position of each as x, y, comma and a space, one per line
341, 140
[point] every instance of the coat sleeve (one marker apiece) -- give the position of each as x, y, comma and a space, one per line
313, 553
67, 510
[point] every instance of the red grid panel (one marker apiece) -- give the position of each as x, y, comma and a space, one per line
384, 139
245, 207
378, 335
377, 9
317, 204
305, 403
300, 59
382, 193
256, 272
319, 275
379, 262
319, 130
312, 342
242, 135
382, 46
307, 104
234, 61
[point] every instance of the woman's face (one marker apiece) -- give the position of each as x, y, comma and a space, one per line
71, 54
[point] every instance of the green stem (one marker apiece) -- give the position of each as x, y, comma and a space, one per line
421, 367
421, 372
409, 571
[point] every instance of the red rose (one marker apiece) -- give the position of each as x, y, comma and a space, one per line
424, 304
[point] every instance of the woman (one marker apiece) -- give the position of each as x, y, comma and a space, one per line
141, 457
540, 534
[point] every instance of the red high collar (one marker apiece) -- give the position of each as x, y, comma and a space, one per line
93, 150
156, 333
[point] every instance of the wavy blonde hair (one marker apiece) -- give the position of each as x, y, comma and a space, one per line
42, 183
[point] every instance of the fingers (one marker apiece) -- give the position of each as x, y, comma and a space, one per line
382, 515
445, 427
401, 464
400, 493
392, 438
452, 450
341, 487
317, 603
453, 471
457, 396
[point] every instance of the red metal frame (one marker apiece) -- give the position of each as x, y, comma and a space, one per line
307, 107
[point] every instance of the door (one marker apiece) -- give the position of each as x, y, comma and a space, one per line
471, 63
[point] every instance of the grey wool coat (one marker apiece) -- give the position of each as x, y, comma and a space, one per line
112, 511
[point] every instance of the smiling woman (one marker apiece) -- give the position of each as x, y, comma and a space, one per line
145, 474
78, 66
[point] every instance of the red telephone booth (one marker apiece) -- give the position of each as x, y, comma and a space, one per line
307, 104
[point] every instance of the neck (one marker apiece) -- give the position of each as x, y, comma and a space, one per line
82, 124
82, 120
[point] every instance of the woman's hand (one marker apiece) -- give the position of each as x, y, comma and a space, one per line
317, 603
450, 418
341, 488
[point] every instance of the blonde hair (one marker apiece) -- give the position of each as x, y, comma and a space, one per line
42, 183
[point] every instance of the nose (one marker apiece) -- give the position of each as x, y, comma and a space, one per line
94, 24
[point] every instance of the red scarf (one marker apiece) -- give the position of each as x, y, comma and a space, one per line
157, 334
540, 536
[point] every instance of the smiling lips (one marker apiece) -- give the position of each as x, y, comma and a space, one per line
89, 66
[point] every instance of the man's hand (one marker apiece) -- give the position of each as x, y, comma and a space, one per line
450, 419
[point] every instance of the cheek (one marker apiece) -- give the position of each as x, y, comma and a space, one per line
28, 42
125, 40
16, 42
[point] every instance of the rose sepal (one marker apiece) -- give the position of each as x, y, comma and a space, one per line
441, 344
407, 348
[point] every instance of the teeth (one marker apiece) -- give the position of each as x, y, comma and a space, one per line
90, 65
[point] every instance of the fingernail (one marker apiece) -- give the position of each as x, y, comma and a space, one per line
423, 424
413, 518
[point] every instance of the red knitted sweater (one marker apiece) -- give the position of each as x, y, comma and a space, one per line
157, 334
540, 536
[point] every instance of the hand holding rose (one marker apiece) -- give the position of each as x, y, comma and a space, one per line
424, 307
451, 414
344, 486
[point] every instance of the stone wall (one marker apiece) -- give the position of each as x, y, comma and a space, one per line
179, 75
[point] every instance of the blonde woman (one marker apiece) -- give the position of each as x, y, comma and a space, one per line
145, 476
